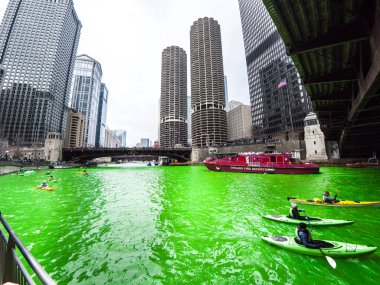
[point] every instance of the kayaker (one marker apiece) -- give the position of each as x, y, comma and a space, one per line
295, 213
51, 178
44, 184
303, 236
328, 199
85, 173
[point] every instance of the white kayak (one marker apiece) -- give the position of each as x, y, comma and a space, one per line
311, 221
337, 249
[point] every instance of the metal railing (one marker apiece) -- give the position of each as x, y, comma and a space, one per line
11, 268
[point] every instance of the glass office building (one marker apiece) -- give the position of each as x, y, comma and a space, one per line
173, 110
85, 94
122, 135
38, 44
144, 142
279, 102
102, 116
209, 119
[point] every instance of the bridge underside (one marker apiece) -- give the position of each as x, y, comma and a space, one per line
86, 154
335, 45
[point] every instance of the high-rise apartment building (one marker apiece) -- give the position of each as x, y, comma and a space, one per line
173, 110
38, 44
75, 129
85, 94
102, 116
279, 101
209, 122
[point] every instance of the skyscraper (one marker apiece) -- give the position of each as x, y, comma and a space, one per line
144, 142
122, 134
173, 111
209, 121
278, 110
85, 94
102, 116
38, 44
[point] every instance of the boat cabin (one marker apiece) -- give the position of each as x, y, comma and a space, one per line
255, 159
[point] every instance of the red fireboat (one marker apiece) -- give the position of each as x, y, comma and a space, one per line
276, 163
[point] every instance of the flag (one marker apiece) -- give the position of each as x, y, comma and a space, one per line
282, 83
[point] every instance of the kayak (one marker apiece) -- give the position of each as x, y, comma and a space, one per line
341, 203
316, 222
46, 188
338, 249
27, 172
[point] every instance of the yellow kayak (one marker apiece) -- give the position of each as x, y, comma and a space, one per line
45, 188
341, 203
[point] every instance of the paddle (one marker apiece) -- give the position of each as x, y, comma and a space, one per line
290, 198
329, 259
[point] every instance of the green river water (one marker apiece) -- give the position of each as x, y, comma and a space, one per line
187, 225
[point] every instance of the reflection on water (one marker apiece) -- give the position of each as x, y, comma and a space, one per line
185, 225
127, 164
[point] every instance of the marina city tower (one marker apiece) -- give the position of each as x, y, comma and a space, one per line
173, 105
38, 44
209, 119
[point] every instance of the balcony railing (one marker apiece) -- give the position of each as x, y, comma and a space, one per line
11, 268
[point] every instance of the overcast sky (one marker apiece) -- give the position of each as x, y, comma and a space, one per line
127, 38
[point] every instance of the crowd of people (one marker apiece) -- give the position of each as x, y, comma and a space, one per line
250, 141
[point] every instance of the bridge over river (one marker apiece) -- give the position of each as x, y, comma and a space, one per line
335, 46
81, 154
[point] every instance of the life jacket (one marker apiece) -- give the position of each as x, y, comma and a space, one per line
291, 213
298, 239
297, 236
